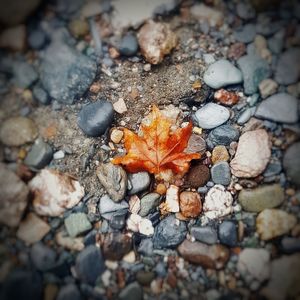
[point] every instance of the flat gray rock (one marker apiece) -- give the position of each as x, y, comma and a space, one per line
281, 108
291, 162
211, 115
222, 73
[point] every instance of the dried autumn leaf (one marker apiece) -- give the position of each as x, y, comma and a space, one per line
158, 149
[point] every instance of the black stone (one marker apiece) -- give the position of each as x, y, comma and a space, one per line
128, 45
95, 118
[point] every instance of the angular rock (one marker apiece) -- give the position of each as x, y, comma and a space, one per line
220, 173
156, 40
89, 264
254, 69
267, 87
287, 70
136, 223
252, 155
148, 203
291, 163
197, 176
41, 95
73, 244
222, 73
139, 182
260, 198
226, 97
114, 180
211, 115
77, 223
169, 233
95, 118
281, 108
17, 131
65, 73
39, 155
13, 200
196, 144
211, 257
218, 202
205, 234
115, 245
54, 192
108, 207
271, 223
287, 287
254, 262
32, 229
223, 135
190, 204
172, 199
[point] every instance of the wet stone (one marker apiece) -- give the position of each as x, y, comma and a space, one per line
223, 135
205, 234
220, 173
138, 182
222, 73
228, 233
95, 118
77, 223
262, 197
148, 203
89, 264
254, 69
128, 45
114, 180
169, 233
39, 155
115, 245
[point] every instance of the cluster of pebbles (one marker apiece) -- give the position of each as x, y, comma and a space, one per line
75, 226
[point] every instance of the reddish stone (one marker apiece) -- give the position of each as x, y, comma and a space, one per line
226, 97
236, 51
190, 204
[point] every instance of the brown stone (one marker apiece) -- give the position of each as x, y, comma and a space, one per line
236, 51
156, 40
211, 257
196, 144
226, 97
219, 153
190, 204
115, 245
197, 176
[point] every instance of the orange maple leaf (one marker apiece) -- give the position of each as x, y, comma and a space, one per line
157, 149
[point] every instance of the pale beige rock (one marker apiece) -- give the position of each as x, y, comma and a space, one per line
172, 199
54, 192
268, 87
203, 12
17, 131
116, 136
284, 281
218, 202
252, 155
136, 223
254, 262
14, 38
13, 199
171, 112
67, 242
120, 106
156, 40
271, 223
32, 229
